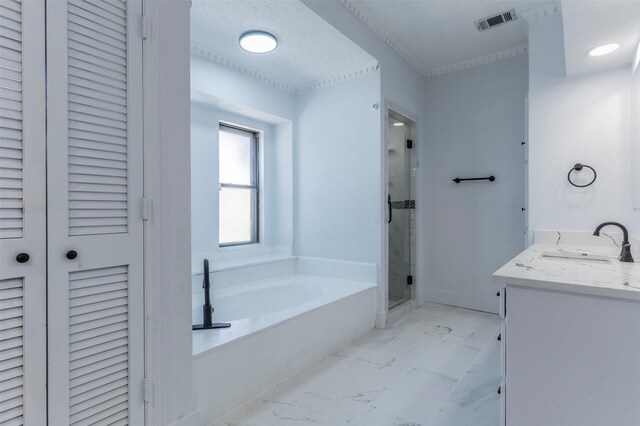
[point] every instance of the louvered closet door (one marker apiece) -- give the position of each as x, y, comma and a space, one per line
22, 214
94, 153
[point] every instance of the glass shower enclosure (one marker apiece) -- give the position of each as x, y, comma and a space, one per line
402, 163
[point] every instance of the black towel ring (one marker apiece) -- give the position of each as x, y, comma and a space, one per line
579, 167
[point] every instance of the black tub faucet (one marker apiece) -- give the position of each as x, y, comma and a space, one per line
207, 309
625, 254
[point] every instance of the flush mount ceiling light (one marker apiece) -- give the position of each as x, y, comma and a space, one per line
258, 42
604, 49
398, 124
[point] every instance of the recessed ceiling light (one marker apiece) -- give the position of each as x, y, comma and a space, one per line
398, 124
258, 42
604, 49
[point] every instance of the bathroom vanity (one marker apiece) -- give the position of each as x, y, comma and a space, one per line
570, 337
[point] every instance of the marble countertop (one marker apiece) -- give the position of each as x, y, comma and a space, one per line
610, 278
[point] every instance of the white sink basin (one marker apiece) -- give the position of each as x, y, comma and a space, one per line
576, 256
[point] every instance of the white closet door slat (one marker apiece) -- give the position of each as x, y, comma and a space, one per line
14, 5
9, 53
11, 71
96, 315
10, 14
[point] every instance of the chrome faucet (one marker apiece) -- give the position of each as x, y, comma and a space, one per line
625, 254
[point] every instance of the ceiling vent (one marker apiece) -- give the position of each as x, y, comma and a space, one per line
496, 20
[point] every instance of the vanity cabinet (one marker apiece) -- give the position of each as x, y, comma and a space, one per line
568, 358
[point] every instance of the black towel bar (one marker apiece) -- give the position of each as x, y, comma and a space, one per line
490, 179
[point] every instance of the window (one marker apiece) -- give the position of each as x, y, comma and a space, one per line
239, 190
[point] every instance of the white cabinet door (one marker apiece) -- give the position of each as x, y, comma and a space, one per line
94, 188
572, 359
22, 214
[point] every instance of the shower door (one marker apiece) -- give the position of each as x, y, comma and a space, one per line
401, 209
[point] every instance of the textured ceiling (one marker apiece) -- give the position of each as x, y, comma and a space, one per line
310, 50
440, 33
589, 24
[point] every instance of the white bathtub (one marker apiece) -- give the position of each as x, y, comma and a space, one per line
279, 326
262, 304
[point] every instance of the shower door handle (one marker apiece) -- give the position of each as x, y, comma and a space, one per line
390, 209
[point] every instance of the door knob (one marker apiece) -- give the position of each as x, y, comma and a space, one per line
22, 258
72, 254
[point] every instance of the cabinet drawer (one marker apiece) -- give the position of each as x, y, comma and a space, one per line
502, 294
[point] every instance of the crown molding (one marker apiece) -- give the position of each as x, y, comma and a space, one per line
335, 80
383, 35
226, 62
543, 12
480, 60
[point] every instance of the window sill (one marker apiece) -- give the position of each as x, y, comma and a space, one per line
225, 265
235, 257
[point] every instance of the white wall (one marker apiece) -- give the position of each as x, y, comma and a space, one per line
337, 171
280, 209
204, 172
475, 120
582, 119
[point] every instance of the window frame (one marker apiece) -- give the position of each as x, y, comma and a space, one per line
254, 178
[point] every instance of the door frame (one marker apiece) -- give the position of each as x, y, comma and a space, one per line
152, 237
383, 316
166, 67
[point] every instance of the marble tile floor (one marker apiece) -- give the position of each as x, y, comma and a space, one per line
435, 366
